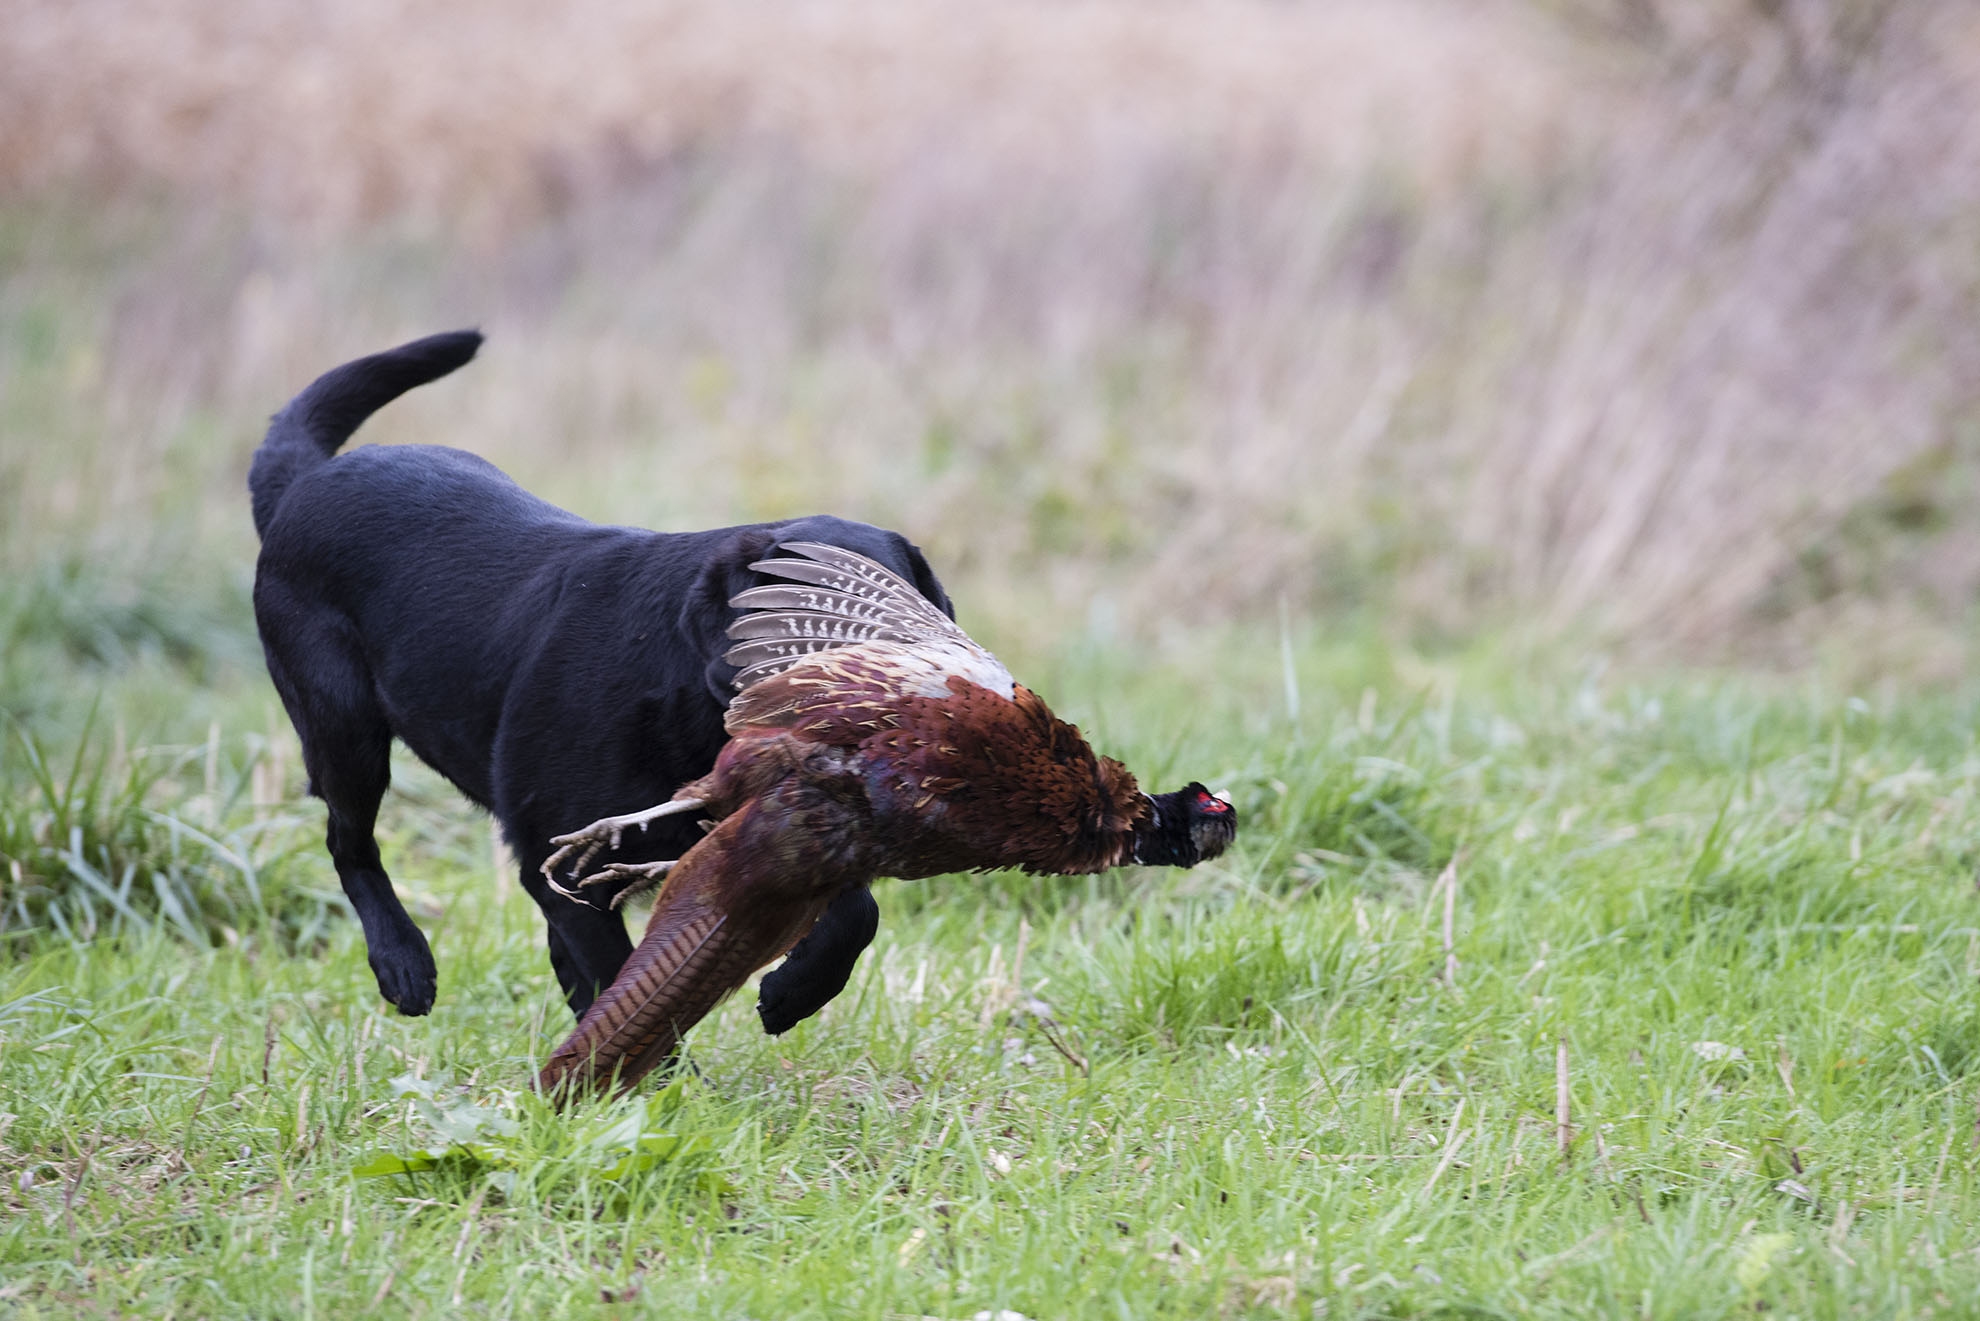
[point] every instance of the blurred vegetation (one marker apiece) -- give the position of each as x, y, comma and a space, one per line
1639, 320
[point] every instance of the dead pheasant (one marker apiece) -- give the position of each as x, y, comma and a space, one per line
869, 737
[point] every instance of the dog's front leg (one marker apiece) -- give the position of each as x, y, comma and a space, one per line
818, 966
396, 949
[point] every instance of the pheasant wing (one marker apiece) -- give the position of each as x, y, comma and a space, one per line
842, 625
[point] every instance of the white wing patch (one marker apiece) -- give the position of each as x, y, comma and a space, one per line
837, 599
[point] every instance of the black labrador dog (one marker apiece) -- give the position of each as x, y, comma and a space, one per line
554, 670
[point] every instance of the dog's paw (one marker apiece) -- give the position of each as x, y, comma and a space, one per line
407, 977
783, 1001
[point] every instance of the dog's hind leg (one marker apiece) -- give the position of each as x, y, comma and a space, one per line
347, 747
588, 946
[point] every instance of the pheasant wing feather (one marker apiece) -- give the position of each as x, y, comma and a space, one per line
840, 622
852, 574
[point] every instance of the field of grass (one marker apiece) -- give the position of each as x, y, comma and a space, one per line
1524, 452
1731, 930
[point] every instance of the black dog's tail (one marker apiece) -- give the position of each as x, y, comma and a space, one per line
323, 417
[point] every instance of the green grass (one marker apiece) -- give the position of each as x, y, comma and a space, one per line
1247, 1090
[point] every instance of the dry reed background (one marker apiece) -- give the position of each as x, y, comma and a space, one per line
1644, 318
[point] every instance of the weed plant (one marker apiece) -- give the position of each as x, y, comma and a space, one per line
87, 851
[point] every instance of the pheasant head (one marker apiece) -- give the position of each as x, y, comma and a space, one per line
1184, 828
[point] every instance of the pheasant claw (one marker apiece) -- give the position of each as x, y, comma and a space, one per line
580, 846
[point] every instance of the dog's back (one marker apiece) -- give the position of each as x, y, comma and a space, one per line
320, 419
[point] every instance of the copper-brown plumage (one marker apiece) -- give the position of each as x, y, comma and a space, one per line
871, 737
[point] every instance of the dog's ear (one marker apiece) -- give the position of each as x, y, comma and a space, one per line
923, 577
